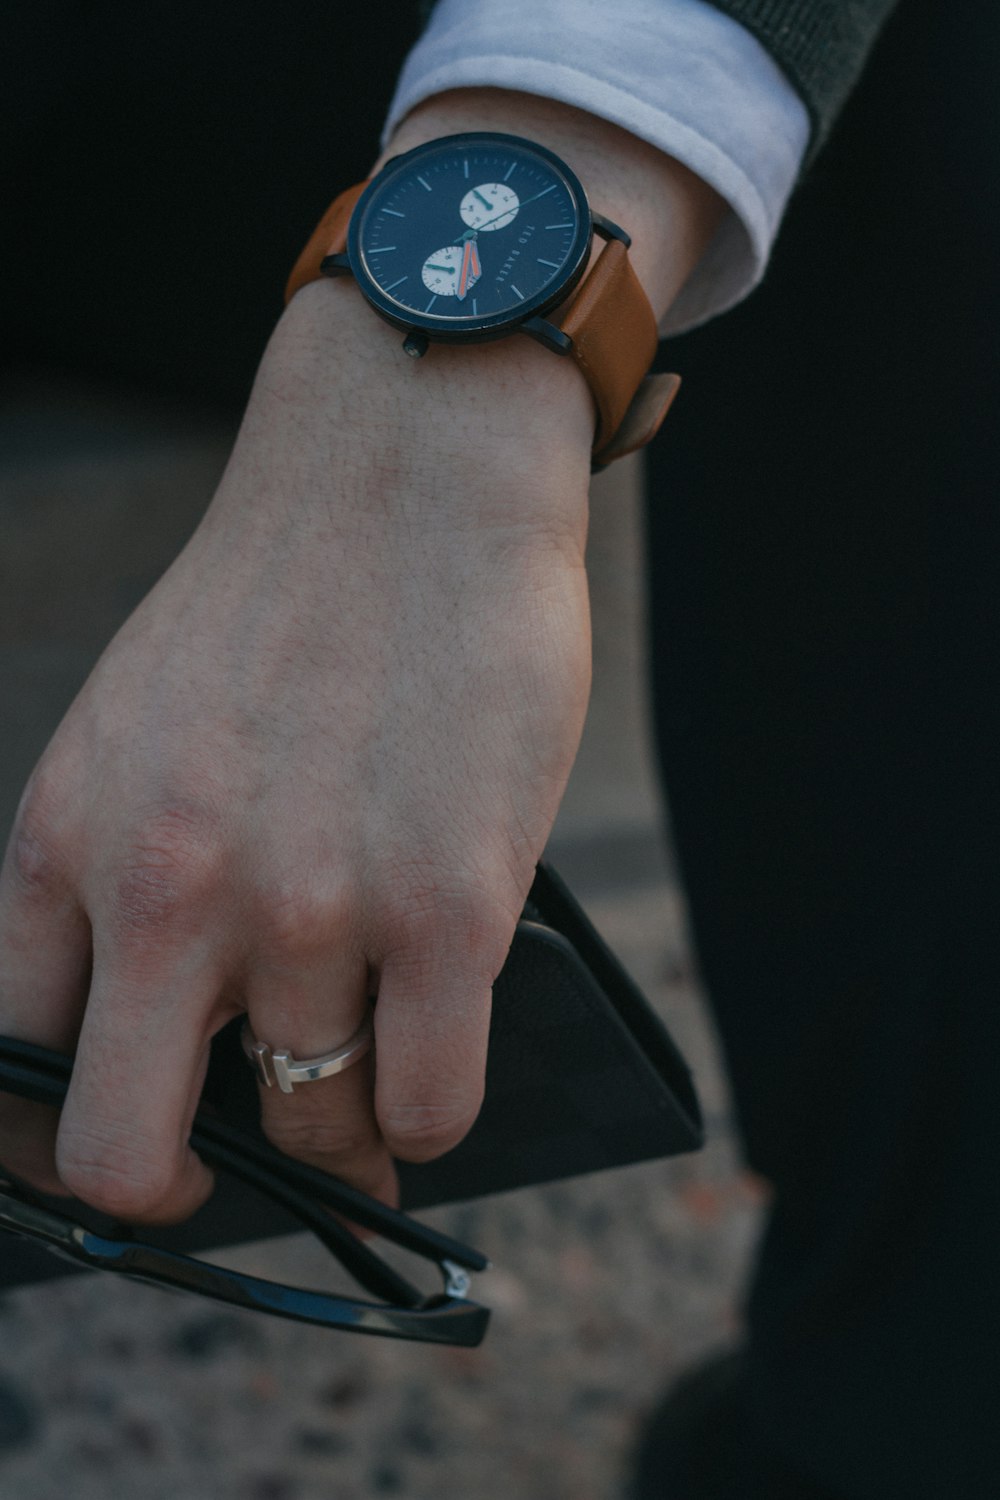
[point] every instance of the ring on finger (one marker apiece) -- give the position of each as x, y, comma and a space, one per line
279, 1068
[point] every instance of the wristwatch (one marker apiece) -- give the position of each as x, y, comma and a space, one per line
477, 236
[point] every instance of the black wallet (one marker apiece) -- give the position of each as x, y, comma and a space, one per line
581, 1076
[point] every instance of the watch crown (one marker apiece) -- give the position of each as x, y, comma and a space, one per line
416, 345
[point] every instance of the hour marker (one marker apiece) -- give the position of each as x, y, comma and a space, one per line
424, 183
396, 284
465, 165
475, 308
509, 170
553, 263
395, 213
378, 249
559, 226
431, 303
516, 292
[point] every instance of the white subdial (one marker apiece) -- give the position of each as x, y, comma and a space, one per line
491, 205
441, 271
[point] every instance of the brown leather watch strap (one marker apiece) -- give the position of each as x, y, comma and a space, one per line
328, 238
614, 338
608, 318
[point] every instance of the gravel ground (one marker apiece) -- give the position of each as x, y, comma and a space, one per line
603, 1288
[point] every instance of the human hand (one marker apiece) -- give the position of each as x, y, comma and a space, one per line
320, 761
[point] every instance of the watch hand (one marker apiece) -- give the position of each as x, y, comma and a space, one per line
477, 194
471, 233
471, 268
463, 282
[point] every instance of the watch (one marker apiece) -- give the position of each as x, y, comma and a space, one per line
477, 236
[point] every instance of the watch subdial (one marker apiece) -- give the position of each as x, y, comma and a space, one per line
491, 205
441, 271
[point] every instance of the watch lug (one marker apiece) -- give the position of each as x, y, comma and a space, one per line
547, 334
335, 265
609, 230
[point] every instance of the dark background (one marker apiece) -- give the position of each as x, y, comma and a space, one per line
823, 549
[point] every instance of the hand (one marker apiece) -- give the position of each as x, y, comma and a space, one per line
319, 762
323, 757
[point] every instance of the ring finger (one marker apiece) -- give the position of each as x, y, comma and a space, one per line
328, 1122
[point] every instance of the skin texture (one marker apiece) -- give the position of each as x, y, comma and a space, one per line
321, 759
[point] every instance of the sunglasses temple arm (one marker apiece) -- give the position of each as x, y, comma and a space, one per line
355, 1205
364, 1265
28, 1082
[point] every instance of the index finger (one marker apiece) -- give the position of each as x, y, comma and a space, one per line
44, 967
140, 1064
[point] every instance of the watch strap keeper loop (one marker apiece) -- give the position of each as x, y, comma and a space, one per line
642, 420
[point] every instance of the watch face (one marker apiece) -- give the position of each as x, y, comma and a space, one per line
468, 236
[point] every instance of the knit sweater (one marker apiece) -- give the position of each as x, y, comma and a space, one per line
821, 45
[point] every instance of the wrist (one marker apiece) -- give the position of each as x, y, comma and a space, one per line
510, 391
499, 431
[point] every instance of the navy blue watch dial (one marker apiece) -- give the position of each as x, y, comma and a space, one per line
468, 236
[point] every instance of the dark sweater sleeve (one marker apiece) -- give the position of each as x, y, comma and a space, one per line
821, 46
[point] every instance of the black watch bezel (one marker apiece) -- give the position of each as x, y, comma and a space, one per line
473, 329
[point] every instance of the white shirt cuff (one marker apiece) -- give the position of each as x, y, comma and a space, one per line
678, 73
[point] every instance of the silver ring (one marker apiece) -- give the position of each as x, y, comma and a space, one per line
283, 1069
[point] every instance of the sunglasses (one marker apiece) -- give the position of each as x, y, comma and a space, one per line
312, 1196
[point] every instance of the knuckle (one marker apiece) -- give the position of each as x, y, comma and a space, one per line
172, 865
35, 862
116, 1178
296, 920
466, 924
419, 1132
